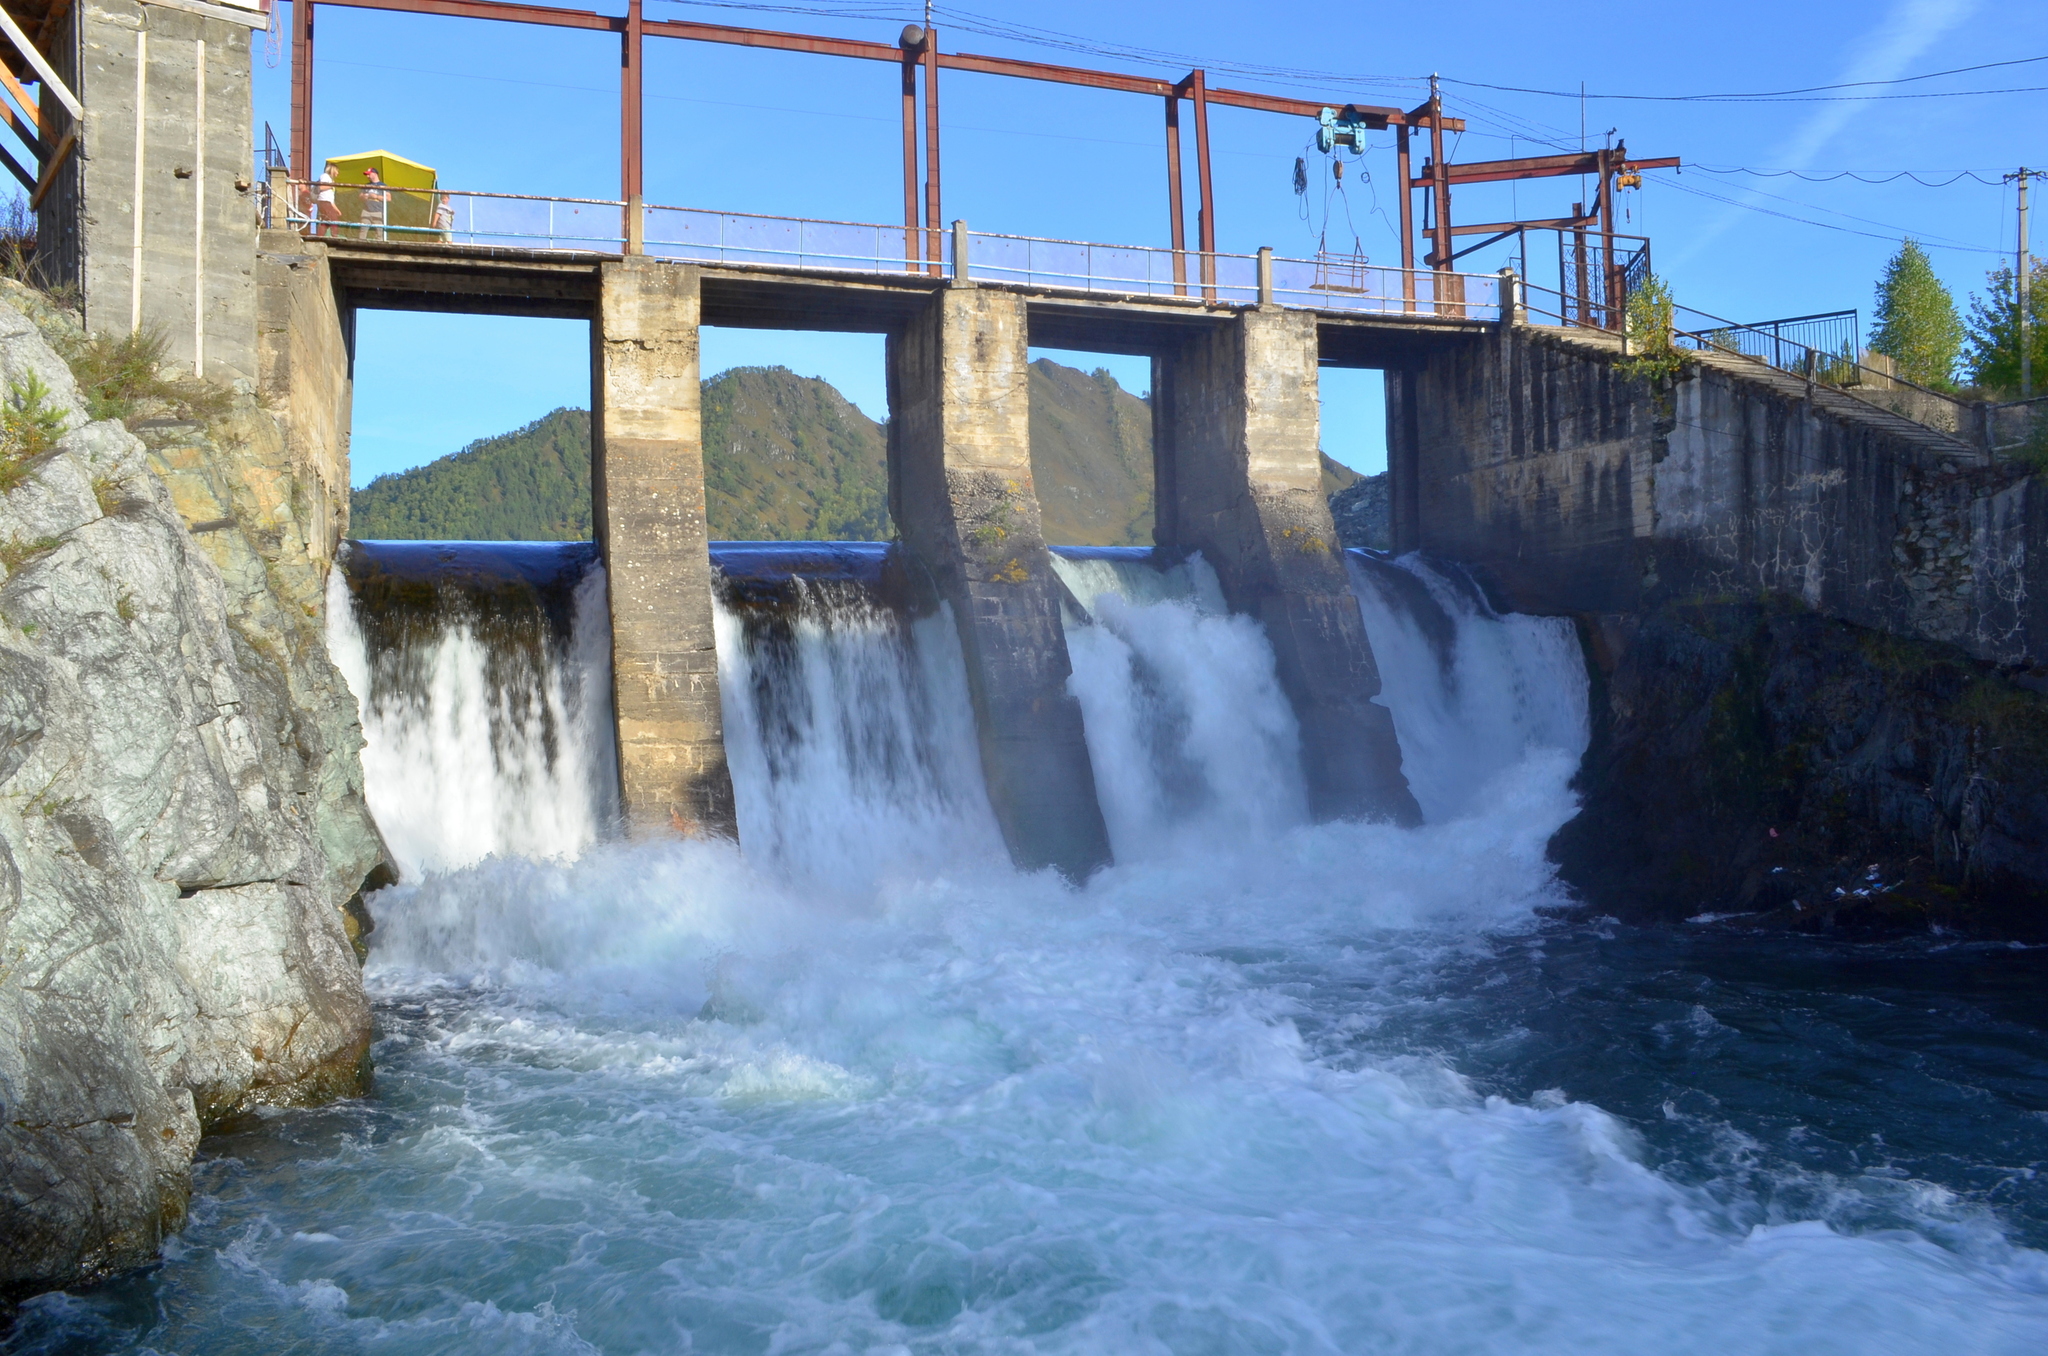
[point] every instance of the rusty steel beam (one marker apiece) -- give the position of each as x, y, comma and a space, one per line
500, 10
1205, 222
1441, 247
1407, 219
631, 125
302, 90
1546, 224
1542, 167
1176, 209
509, 12
762, 37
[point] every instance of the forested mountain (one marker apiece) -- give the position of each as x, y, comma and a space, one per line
532, 484
786, 458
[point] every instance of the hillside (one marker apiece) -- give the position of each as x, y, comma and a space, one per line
786, 458
532, 484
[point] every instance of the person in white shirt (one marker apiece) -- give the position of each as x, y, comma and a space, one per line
376, 206
326, 216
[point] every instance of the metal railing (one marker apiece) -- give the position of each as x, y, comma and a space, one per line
447, 216
1774, 345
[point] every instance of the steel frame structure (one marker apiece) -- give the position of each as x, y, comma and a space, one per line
1437, 177
916, 53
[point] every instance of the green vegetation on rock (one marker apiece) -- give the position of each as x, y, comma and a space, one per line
788, 458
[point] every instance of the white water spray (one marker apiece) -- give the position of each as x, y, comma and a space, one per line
852, 744
473, 750
1191, 738
1474, 694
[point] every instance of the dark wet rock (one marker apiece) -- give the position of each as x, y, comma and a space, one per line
1759, 759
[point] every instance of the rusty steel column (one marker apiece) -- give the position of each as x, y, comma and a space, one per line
1450, 290
1440, 186
1404, 173
1579, 266
913, 244
1205, 224
630, 125
302, 89
933, 251
1174, 205
1610, 274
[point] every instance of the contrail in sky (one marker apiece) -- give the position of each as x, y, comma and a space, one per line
1888, 52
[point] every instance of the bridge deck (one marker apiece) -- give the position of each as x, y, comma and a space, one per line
493, 280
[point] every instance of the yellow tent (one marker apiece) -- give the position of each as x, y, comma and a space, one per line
411, 215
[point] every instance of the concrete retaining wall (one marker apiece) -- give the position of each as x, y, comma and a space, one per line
197, 201
1576, 489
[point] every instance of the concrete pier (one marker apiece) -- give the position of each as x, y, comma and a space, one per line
961, 492
1238, 478
648, 508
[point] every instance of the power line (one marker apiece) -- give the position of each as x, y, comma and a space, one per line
1893, 234
1860, 176
1789, 95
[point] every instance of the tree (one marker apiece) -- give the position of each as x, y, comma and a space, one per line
1994, 357
1917, 325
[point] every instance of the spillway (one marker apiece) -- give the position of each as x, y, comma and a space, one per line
1261, 1085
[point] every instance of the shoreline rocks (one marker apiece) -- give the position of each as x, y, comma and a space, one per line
181, 818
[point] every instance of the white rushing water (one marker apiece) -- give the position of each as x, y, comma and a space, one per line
869, 1089
471, 752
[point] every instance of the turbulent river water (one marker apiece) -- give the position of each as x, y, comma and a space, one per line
1262, 1086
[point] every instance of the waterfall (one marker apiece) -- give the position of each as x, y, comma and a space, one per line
1474, 693
850, 738
483, 675
1189, 733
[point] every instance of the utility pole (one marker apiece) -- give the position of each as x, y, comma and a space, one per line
2023, 280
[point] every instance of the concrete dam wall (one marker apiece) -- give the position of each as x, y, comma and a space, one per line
1577, 489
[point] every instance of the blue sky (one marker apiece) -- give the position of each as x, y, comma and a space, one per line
508, 108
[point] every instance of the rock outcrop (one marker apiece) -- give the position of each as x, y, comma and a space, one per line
1758, 758
182, 829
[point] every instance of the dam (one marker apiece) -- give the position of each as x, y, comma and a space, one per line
1570, 929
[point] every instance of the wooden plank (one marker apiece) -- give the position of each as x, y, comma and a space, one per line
29, 106
52, 165
48, 74
23, 128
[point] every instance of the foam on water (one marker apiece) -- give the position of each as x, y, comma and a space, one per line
664, 1098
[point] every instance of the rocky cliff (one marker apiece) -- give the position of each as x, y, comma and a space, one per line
181, 820
1760, 759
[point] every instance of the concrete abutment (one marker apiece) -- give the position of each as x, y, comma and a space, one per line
647, 487
1239, 479
961, 492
